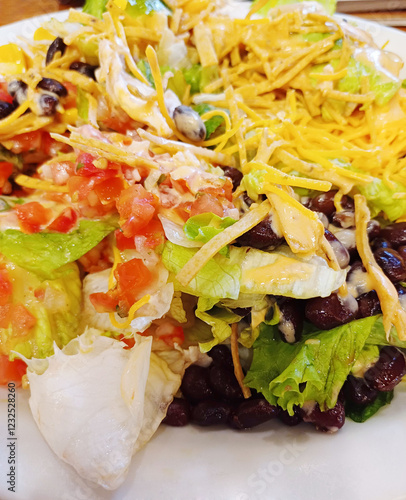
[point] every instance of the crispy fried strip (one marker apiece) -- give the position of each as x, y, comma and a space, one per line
239, 374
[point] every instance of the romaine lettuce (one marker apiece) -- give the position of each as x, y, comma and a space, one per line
204, 227
362, 413
329, 5
313, 369
44, 253
219, 278
56, 305
380, 198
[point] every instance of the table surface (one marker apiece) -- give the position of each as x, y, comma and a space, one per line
15, 10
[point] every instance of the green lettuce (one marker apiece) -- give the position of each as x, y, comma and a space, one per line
134, 8
378, 336
95, 8
204, 227
329, 5
383, 87
198, 77
313, 369
218, 318
6, 155
212, 124
56, 309
219, 278
360, 414
380, 198
44, 253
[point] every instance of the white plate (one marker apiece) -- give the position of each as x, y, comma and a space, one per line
360, 462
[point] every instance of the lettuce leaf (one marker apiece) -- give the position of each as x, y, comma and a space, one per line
313, 369
383, 87
378, 336
219, 320
57, 313
44, 253
212, 124
219, 278
329, 5
360, 414
204, 227
95, 8
380, 198
198, 77
134, 8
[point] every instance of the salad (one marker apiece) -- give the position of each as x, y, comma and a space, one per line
203, 219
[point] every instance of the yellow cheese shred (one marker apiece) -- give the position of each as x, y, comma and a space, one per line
393, 313
33, 183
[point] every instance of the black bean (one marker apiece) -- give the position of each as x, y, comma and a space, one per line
291, 420
329, 312
261, 236
368, 304
358, 392
391, 263
251, 413
395, 234
234, 174
178, 413
325, 203
189, 123
224, 383
221, 355
388, 371
400, 289
402, 252
6, 109
341, 253
379, 243
84, 69
18, 90
355, 267
326, 421
373, 229
195, 384
48, 104
291, 321
242, 311
53, 86
58, 45
344, 219
211, 412
324, 219
247, 200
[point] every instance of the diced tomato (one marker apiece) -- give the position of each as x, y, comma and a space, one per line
5, 315
6, 287
122, 242
32, 216
5, 96
225, 190
136, 207
154, 233
70, 100
11, 371
65, 222
109, 190
80, 187
206, 203
21, 319
183, 210
39, 293
170, 334
6, 169
120, 125
129, 341
104, 302
132, 277
30, 141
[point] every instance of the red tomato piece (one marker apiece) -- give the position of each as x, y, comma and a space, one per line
11, 371
65, 222
136, 207
6, 169
154, 233
132, 277
5, 96
30, 141
109, 190
21, 320
170, 334
206, 203
5, 315
104, 302
32, 216
6, 287
122, 242
80, 187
